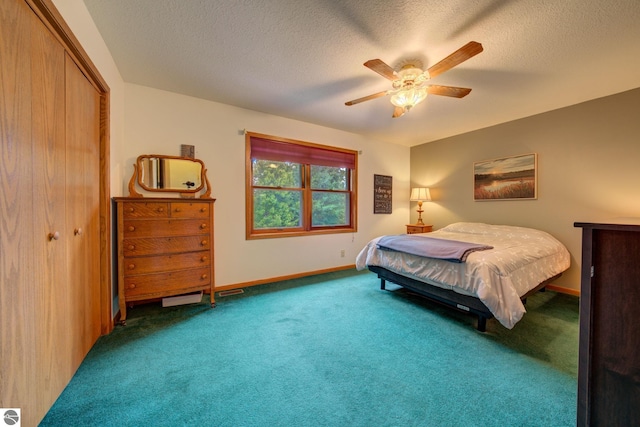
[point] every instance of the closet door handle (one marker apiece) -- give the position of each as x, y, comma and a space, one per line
54, 236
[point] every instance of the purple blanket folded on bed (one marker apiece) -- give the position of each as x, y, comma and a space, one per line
449, 250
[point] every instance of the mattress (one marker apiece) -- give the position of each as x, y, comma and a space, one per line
520, 260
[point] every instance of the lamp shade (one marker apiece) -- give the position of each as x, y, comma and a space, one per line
420, 194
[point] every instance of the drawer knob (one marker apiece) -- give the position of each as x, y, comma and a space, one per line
77, 231
204, 276
178, 210
203, 243
132, 210
132, 286
54, 236
132, 247
131, 228
204, 259
160, 209
203, 209
132, 266
203, 226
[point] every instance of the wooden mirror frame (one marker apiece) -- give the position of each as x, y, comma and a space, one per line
186, 193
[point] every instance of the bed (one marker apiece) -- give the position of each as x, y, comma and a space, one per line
492, 279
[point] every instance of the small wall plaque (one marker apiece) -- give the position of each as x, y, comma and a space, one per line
382, 194
188, 151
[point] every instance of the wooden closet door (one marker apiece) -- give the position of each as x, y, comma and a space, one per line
17, 241
49, 228
82, 200
50, 184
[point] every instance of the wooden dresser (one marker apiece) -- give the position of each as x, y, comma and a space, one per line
609, 359
165, 248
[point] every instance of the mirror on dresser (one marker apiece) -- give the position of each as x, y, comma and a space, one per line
174, 174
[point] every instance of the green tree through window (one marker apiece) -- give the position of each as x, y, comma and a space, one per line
329, 189
277, 194
298, 188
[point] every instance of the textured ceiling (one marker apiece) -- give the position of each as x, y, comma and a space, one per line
303, 59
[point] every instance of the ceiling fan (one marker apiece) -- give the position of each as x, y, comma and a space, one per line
409, 83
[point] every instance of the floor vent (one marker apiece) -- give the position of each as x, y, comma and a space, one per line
230, 292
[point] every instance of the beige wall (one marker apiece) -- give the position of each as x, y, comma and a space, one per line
588, 170
158, 122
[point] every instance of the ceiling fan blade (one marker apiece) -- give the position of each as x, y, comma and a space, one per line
455, 92
398, 111
381, 68
467, 51
366, 98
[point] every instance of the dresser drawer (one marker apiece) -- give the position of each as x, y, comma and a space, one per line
165, 227
145, 210
171, 283
164, 245
159, 263
189, 210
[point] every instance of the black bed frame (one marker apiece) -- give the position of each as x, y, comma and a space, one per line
460, 302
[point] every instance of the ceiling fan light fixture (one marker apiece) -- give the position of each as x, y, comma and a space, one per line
409, 84
409, 97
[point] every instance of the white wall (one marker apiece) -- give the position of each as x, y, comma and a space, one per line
148, 121
158, 122
588, 156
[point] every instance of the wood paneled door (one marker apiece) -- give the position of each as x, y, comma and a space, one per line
55, 288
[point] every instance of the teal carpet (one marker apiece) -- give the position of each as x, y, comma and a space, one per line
328, 350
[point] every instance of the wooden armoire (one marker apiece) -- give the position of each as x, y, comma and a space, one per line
55, 288
609, 362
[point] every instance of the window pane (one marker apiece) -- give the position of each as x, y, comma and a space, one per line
276, 174
277, 209
330, 209
329, 178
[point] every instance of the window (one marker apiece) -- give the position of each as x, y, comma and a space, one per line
298, 188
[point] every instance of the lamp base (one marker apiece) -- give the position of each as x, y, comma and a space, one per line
420, 216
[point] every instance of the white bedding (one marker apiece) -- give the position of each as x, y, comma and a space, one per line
520, 260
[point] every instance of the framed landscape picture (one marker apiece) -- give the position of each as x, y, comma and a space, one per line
507, 178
